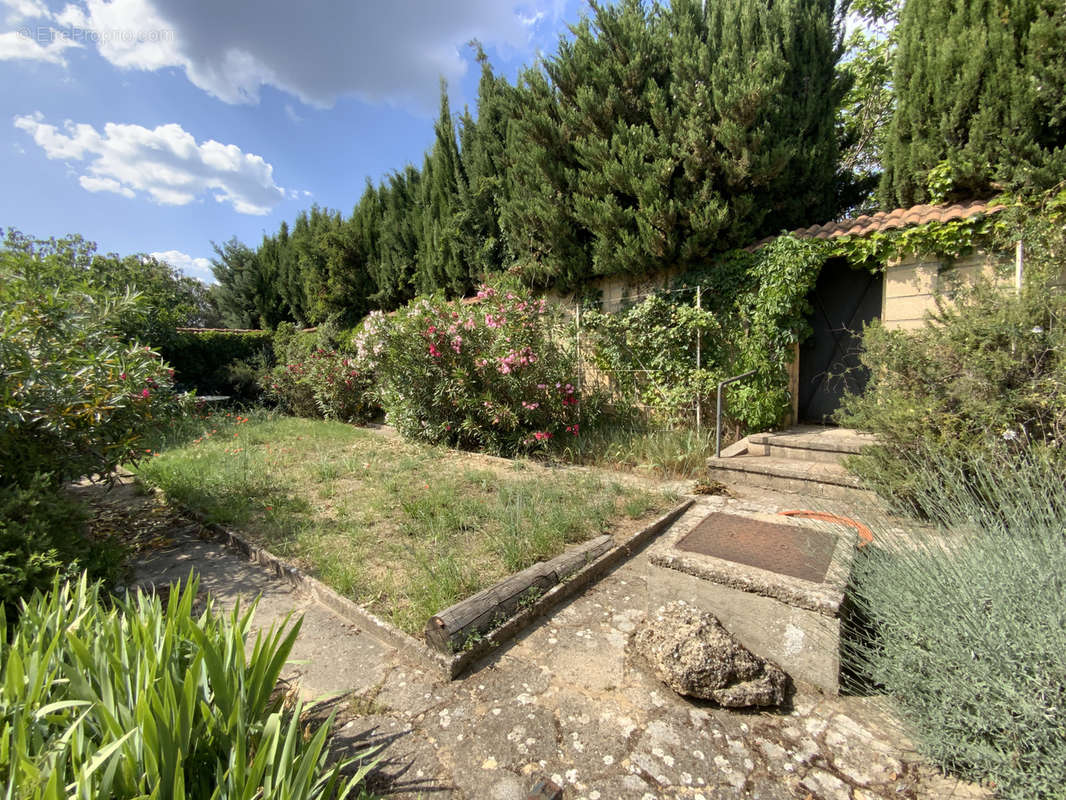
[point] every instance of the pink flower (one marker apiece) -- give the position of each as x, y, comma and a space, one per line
433, 351
122, 377
572, 429
540, 436
145, 393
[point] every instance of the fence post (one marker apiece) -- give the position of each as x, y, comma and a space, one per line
580, 374
699, 362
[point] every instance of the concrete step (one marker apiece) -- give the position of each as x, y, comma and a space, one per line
811, 478
814, 443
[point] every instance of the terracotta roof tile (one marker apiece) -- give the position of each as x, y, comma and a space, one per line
899, 218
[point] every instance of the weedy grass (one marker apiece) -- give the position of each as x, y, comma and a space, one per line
105, 697
669, 453
964, 624
407, 529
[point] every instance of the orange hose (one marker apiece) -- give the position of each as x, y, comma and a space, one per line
865, 533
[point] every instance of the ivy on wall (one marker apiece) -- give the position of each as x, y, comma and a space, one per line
755, 310
946, 240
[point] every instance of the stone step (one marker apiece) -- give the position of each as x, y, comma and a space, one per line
789, 475
809, 443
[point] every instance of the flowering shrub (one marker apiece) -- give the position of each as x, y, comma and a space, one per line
483, 374
324, 384
74, 398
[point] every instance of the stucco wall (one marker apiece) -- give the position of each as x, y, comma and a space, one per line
912, 284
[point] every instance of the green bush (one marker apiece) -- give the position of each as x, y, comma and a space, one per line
965, 627
42, 534
74, 398
315, 379
147, 700
483, 375
221, 362
987, 375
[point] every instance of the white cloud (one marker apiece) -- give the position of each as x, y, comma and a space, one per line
199, 268
317, 51
34, 44
166, 163
18, 10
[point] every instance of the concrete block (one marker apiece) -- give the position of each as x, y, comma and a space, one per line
805, 644
792, 622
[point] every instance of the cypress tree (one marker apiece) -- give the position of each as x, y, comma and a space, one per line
240, 287
537, 214
979, 86
483, 144
440, 258
394, 271
660, 136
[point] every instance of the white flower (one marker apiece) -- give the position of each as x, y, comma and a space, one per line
1010, 435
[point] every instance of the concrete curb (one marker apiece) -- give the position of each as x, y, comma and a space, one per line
562, 591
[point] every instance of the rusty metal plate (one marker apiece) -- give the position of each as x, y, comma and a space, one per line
785, 549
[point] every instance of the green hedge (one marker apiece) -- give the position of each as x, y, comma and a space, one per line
219, 361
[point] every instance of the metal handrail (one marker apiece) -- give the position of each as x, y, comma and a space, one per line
718, 411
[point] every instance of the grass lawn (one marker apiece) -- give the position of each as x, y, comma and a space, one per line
403, 528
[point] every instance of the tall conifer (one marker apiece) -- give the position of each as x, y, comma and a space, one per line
980, 87
440, 259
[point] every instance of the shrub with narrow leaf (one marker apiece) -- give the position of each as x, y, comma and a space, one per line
144, 699
965, 626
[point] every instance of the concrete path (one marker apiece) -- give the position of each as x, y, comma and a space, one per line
563, 702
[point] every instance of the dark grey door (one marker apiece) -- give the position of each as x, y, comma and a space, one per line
844, 299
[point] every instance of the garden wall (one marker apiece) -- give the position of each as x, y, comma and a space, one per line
913, 282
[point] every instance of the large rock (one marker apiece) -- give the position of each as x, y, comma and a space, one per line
694, 655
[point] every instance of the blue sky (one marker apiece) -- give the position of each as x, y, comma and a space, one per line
160, 126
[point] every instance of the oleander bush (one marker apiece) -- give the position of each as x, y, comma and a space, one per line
480, 375
136, 697
965, 626
76, 399
315, 377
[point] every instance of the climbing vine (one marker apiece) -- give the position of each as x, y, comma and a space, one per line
754, 311
944, 239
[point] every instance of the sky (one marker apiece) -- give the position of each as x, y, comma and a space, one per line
161, 126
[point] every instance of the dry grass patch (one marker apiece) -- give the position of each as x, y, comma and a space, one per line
403, 528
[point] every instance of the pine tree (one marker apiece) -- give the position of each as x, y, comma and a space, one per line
979, 87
